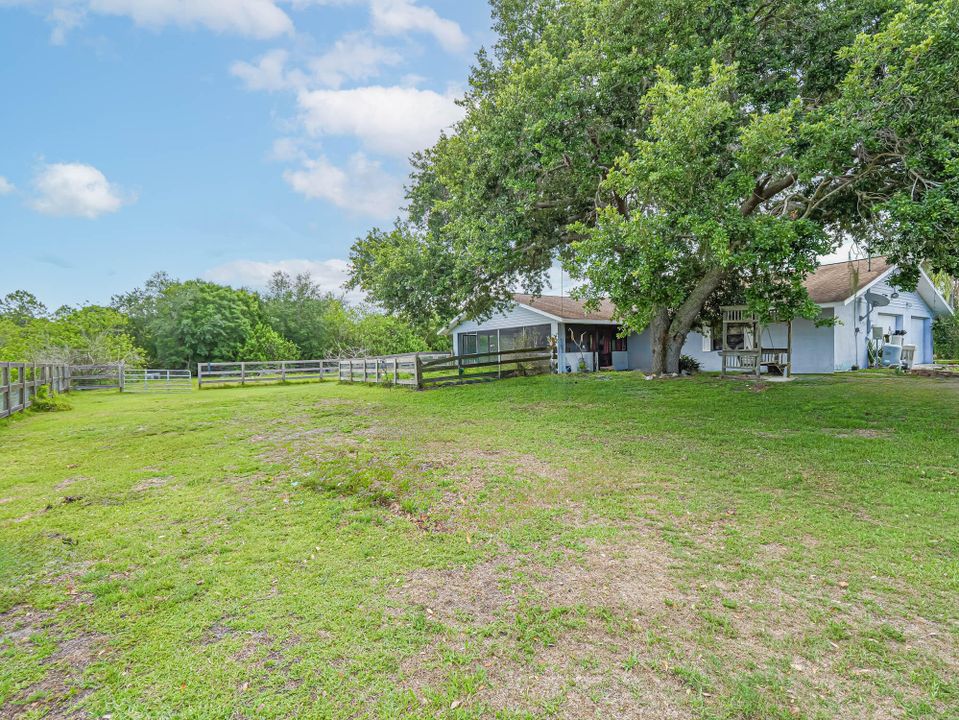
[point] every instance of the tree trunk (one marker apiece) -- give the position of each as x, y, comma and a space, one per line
687, 313
658, 335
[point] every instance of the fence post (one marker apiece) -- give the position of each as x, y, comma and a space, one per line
242, 373
199, 376
418, 371
283, 371
396, 370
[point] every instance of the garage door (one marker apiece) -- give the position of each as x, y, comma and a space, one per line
919, 336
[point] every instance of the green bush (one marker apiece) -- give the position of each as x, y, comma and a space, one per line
945, 337
46, 401
689, 364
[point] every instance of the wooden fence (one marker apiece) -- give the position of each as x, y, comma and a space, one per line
19, 383
108, 376
424, 370
389, 369
241, 373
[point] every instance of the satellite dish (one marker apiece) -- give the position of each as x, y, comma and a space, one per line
876, 299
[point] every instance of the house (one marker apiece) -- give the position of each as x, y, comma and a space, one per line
857, 294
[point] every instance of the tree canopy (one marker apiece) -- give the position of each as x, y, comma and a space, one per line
170, 323
675, 154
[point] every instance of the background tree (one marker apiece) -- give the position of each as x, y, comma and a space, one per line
300, 311
139, 306
675, 152
21, 307
198, 321
86, 336
264, 343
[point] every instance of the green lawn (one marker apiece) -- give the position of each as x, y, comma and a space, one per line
601, 546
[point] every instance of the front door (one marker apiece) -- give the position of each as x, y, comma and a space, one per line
605, 347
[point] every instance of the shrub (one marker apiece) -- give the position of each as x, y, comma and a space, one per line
689, 364
945, 337
46, 401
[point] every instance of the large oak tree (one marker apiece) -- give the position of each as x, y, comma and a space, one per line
675, 153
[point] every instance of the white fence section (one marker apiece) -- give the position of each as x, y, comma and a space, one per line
152, 380
241, 373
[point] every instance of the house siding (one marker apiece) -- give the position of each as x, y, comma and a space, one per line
815, 349
908, 311
812, 346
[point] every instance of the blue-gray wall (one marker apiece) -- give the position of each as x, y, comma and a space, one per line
908, 311
812, 347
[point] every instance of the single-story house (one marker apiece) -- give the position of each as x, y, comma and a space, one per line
858, 294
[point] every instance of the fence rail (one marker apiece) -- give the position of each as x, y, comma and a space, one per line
153, 380
241, 373
423, 370
108, 376
19, 383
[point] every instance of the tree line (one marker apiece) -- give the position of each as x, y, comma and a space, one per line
678, 155
177, 324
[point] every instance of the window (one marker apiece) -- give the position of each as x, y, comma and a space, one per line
528, 336
712, 338
493, 341
467, 343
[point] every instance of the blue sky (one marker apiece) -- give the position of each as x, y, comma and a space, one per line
213, 138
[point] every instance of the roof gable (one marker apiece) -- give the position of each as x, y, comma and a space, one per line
836, 282
566, 309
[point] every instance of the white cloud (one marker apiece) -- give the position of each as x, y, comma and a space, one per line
64, 19
287, 149
72, 189
254, 18
398, 17
268, 72
392, 120
6, 187
362, 187
352, 57
328, 274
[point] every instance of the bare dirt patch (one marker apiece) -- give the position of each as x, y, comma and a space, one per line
152, 483
617, 630
459, 597
61, 688
70, 482
868, 433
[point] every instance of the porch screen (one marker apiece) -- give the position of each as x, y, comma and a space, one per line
491, 341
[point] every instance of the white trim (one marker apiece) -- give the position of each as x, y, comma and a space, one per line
554, 318
451, 328
937, 296
923, 279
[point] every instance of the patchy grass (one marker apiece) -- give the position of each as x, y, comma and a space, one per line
552, 547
